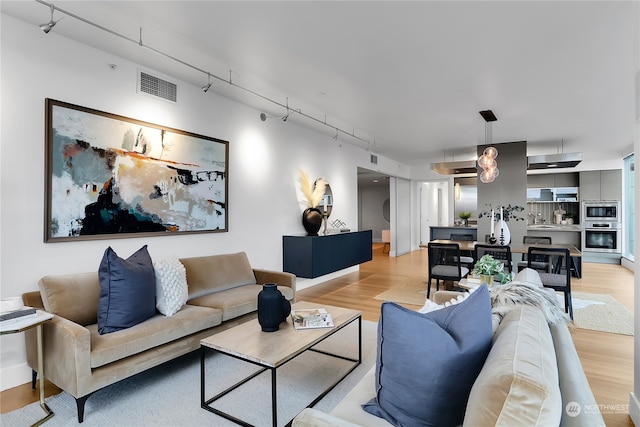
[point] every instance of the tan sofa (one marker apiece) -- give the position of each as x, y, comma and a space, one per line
531, 377
80, 361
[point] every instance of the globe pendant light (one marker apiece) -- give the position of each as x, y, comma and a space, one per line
487, 161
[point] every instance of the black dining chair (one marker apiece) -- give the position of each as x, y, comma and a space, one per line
466, 257
500, 253
540, 263
558, 277
444, 264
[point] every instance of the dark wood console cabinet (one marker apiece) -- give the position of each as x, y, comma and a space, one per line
313, 256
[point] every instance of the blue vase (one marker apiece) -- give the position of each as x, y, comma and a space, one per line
273, 307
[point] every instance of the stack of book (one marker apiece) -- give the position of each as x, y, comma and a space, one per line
311, 319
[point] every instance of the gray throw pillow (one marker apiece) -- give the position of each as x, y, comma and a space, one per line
427, 363
127, 290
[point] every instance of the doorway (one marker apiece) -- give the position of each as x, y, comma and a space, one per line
374, 202
434, 207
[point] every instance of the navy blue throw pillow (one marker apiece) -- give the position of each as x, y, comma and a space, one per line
427, 363
127, 290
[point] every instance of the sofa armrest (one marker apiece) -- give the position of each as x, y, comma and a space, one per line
574, 386
313, 418
278, 277
66, 355
33, 299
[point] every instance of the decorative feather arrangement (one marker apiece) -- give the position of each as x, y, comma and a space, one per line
312, 193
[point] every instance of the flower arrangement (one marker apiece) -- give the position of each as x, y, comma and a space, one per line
312, 191
508, 212
489, 266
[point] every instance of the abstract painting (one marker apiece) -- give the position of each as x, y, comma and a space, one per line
111, 176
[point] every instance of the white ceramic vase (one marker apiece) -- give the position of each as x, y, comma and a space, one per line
503, 234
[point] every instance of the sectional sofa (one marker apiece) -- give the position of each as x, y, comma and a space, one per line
80, 359
531, 376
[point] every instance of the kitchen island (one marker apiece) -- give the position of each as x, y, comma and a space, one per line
445, 231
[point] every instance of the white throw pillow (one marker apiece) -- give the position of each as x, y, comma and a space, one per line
528, 275
171, 285
430, 306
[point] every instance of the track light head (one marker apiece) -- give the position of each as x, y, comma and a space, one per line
263, 117
206, 87
49, 25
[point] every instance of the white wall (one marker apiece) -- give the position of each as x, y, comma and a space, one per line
264, 161
372, 199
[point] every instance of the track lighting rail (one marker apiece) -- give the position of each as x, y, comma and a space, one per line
210, 75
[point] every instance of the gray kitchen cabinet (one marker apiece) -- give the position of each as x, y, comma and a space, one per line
570, 179
553, 180
611, 184
540, 181
601, 185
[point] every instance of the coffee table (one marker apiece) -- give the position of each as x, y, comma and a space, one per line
271, 350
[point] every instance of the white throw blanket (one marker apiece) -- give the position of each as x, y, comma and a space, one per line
505, 297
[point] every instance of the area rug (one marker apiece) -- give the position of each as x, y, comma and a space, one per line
598, 312
169, 395
601, 312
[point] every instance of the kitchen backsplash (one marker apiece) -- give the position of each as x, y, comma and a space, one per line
544, 212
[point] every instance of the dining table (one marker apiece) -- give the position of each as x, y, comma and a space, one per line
522, 248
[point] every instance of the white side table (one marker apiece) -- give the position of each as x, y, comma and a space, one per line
15, 326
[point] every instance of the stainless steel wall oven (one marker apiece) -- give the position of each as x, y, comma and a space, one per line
602, 236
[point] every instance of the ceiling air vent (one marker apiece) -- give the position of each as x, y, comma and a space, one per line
155, 86
374, 159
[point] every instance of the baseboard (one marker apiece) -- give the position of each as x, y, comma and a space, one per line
628, 264
14, 376
634, 409
302, 283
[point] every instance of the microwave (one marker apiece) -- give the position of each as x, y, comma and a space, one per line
601, 211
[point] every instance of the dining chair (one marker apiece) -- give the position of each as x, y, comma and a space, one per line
540, 263
444, 264
466, 257
559, 276
500, 253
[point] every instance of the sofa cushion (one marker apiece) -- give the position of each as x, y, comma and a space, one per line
518, 385
217, 272
153, 332
426, 363
236, 301
171, 285
72, 296
127, 290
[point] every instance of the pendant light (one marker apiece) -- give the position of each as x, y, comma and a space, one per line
487, 161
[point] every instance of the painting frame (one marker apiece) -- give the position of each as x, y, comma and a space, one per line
109, 176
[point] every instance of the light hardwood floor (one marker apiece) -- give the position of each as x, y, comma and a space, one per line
606, 358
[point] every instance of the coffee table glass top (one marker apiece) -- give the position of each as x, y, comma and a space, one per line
273, 349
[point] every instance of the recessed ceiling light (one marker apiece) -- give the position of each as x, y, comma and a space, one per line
375, 180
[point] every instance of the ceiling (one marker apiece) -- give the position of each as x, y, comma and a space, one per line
407, 78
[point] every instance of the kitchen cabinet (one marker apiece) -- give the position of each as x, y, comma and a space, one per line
553, 180
601, 185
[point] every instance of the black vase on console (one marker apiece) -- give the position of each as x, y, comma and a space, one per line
312, 220
273, 307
